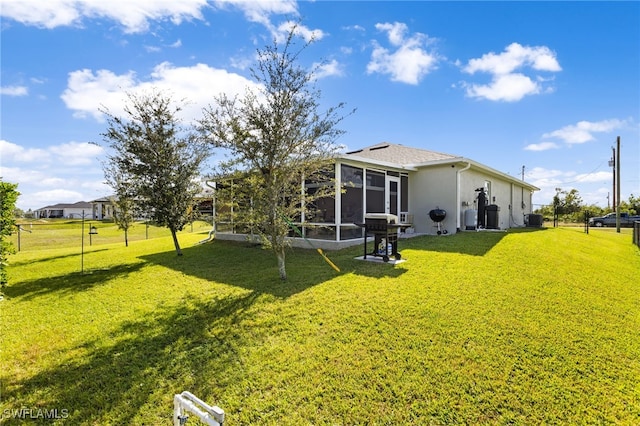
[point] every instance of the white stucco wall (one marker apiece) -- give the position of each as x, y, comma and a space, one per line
437, 186
507, 195
430, 188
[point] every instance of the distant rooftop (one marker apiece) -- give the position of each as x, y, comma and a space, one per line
78, 205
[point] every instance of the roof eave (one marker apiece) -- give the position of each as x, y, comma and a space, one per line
358, 159
475, 164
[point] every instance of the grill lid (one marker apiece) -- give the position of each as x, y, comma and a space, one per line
437, 214
390, 218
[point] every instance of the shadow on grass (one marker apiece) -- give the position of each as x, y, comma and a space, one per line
251, 267
248, 266
194, 346
69, 283
50, 258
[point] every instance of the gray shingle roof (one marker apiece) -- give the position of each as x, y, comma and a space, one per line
399, 154
78, 205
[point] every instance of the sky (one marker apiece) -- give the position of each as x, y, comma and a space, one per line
540, 88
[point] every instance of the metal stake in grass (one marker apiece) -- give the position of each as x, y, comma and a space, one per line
319, 250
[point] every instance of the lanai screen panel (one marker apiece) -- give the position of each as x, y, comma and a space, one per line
351, 198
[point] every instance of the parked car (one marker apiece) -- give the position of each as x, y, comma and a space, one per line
610, 220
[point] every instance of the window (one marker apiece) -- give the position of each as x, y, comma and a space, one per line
351, 198
320, 197
320, 210
375, 192
404, 193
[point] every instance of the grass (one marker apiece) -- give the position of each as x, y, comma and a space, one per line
525, 327
44, 234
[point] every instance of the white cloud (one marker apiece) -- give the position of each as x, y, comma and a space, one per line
76, 153
285, 28
514, 57
136, 16
242, 62
262, 11
596, 177
67, 172
67, 154
55, 196
87, 92
409, 62
593, 187
331, 68
152, 49
354, 28
542, 146
133, 16
583, 131
14, 90
507, 84
507, 87
10, 152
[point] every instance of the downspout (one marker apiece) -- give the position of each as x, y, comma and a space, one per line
512, 221
458, 196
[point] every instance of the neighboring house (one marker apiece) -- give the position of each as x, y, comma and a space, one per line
103, 208
409, 183
67, 211
204, 201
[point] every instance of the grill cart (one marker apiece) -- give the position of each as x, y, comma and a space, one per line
384, 228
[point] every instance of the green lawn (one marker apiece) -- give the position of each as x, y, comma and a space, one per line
526, 327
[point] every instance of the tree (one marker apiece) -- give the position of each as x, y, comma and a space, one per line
8, 197
155, 161
634, 204
124, 214
277, 137
568, 204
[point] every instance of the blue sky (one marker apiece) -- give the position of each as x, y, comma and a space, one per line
544, 85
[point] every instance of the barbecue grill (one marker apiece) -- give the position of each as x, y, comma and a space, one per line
384, 228
438, 215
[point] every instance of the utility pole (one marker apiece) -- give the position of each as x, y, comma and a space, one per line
612, 163
618, 186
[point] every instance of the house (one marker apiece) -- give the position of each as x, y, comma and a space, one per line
409, 183
68, 211
103, 208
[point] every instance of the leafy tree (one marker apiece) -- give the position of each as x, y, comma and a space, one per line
155, 160
124, 214
568, 204
8, 197
277, 137
634, 204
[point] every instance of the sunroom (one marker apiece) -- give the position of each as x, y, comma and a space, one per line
359, 188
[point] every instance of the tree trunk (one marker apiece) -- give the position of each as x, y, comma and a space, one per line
176, 243
126, 238
281, 264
